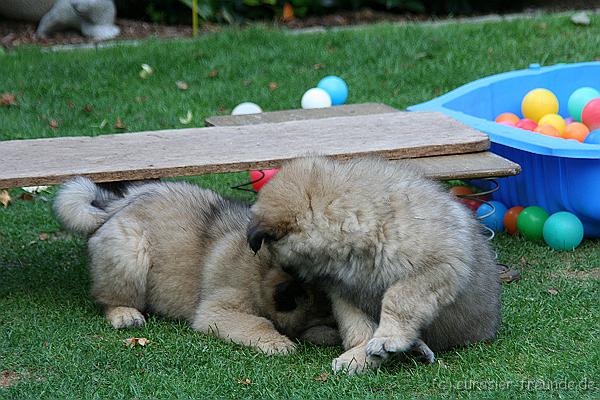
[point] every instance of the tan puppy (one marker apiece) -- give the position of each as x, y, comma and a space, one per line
180, 251
403, 262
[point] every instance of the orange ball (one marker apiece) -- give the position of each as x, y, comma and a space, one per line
547, 130
577, 131
507, 117
510, 219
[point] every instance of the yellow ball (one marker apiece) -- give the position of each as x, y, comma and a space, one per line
538, 103
555, 120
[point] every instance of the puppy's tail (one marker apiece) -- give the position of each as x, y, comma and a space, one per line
80, 205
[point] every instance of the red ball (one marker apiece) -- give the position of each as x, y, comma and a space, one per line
527, 124
259, 180
510, 219
590, 115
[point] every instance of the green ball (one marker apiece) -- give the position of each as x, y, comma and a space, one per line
563, 231
531, 222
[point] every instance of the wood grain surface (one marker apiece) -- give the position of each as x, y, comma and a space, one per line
182, 152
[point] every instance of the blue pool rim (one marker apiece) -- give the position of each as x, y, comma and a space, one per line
508, 136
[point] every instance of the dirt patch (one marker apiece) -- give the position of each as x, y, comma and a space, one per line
8, 378
593, 274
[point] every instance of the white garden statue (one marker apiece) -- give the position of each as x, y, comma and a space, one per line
94, 18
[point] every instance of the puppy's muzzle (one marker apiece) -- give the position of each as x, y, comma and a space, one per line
256, 235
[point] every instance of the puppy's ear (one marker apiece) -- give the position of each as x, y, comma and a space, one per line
257, 234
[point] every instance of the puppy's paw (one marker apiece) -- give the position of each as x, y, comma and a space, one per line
422, 352
281, 346
124, 317
355, 361
382, 346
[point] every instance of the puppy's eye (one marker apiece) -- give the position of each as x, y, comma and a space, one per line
287, 294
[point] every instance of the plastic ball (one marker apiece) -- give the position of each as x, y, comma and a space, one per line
555, 120
569, 120
461, 190
316, 98
563, 231
259, 180
527, 124
507, 117
547, 130
530, 222
507, 123
493, 221
577, 131
578, 99
537, 103
510, 219
590, 115
336, 87
246, 108
593, 137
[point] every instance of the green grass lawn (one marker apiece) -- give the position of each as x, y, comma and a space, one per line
54, 343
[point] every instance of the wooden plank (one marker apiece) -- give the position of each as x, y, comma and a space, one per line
147, 155
346, 110
466, 166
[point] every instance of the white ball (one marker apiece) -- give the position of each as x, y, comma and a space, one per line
316, 98
246, 108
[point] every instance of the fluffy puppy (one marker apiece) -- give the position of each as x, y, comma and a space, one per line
180, 251
403, 262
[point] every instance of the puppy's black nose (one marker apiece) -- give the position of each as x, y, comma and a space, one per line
256, 235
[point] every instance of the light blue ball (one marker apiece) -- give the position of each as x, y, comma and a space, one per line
563, 231
494, 221
593, 137
336, 87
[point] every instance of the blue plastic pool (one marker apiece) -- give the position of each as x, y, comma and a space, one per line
558, 174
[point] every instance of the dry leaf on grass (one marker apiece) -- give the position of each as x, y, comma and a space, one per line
146, 71
319, 66
4, 198
43, 236
8, 378
245, 381
273, 85
119, 123
26, 196
181, 85
288, 12
53, 123
88, 108
246, 82
322, 377
553, 291
8, 99
213, 74
134, 341
187, 119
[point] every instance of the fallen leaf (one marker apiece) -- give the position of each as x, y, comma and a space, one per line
221, 109
26, 197
181, 85
8, 99
246, 82
4, 198
53, 123
146, 71
288, 12
273, 85
70, 104
134, 341
43, 236
553, 291
141, 99
119, 123
8, 378
245, 381
322, 377
187, 119
88, 108
35, 189
213, 74
319, 66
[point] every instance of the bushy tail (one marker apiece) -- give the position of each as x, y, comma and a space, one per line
80, 205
